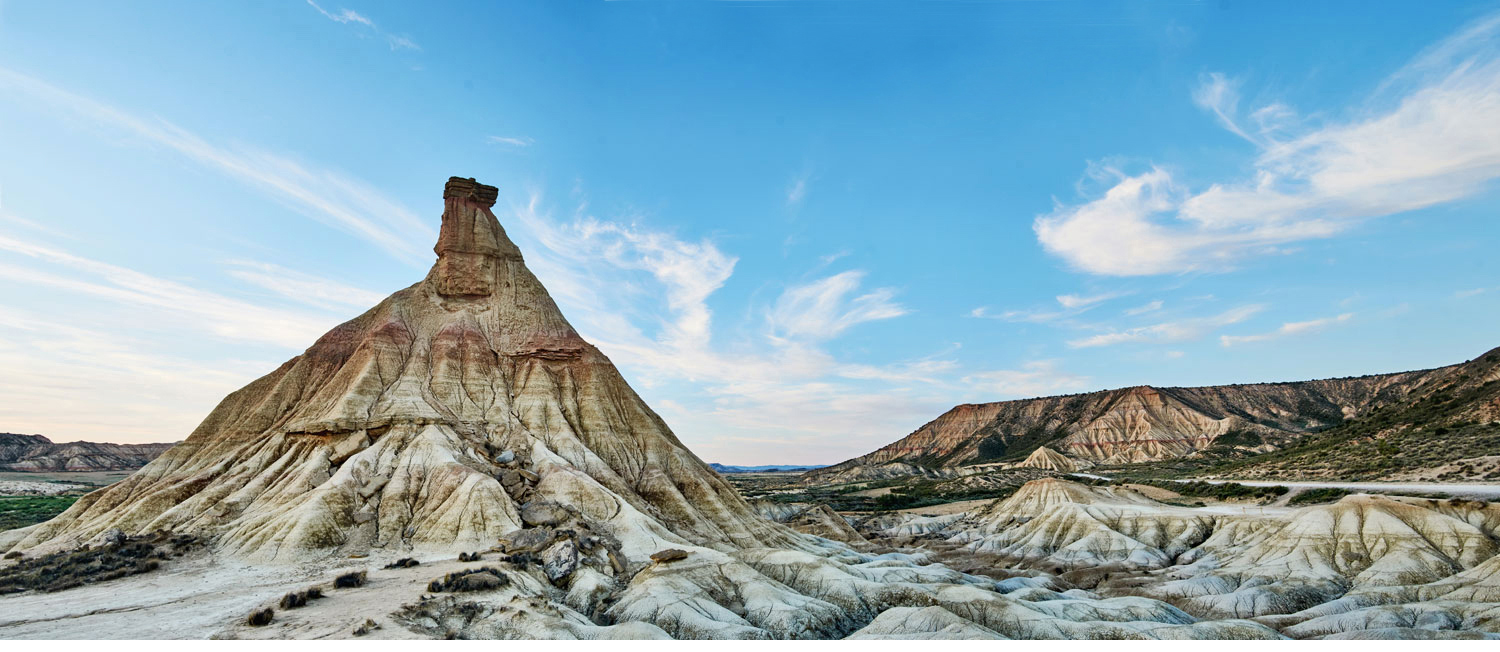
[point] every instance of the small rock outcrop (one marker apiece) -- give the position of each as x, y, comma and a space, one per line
1050, 460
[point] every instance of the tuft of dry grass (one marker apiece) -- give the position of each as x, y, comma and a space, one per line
260, 617
351, 580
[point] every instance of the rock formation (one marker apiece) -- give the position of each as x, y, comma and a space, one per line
1143, 424
1378, 566
35, 453
426, 423
1050, 460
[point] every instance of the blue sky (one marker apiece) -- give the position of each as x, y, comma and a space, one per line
801, 229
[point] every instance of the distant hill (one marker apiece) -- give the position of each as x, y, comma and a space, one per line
774, 468
1454, 408
1448, 430
35, 453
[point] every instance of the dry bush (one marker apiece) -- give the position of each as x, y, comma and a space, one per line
479, 579
351, 580
260, 617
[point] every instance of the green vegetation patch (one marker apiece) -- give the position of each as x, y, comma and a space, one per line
1320, 495
21, 511
927, 494
1220, 490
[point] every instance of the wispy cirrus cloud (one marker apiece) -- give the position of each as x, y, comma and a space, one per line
99, 384
39, 265
302, 287
797, 190
512, 141
1036, 378
1288, 328
1072, 305
1427, 137
827, 307
324, 195
351, 17
1170, 331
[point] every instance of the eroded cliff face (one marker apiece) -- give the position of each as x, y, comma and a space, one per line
1138, 424
1364, 566
35, 453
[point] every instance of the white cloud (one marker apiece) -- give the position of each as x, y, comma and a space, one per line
1172, 331
643, 297
1145, 308
797, 191
302, 287
324, 195
1076, 301
206, 311
1288, 328
823, 309
1037, 378
1072, 305
512, 141
1464, 294
1436, 141
350, 16
102, 385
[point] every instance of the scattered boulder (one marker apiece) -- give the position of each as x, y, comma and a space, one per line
542, 513
669, 555
560, 560
110, 537
479, 579
528, 540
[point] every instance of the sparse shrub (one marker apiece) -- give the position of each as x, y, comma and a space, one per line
293, 600
14, 554
406, 562
479, 579
314, 593
463, 556
1320, 495
351, 580
366, 628
65, 570
261, 617
521, 561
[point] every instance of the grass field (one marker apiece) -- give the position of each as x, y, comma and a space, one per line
21, 511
